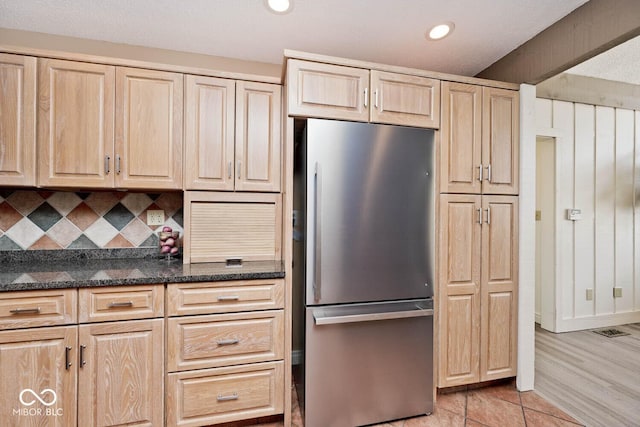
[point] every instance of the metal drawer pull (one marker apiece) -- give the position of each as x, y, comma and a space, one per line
107, 160
229, 169
118, 164
480, 170
231, 341
82, 361
67, 359
489, 172
35, 310
122, 304
228, 298
366, 97
479, 216
223, 398
489, 216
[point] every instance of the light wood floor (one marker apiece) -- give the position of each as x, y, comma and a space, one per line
593, 378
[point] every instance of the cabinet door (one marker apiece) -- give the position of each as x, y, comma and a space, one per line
327, 91
121, 380
37, 385
459, 292
405, 100
209, 133
148, 145
258, 138
75, 124
499, 298
500, 140
17, 120
461, 136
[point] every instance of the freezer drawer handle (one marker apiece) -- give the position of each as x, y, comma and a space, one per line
224, 398
317, 233
228, 298
120, 304
369, 317
228, 342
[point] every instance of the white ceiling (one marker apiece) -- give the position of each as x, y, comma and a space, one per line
620, 63
384, 31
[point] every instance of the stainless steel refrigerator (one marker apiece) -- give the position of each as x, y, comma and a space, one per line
368, 197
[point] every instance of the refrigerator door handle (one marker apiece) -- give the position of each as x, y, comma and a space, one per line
317, 266
319, 319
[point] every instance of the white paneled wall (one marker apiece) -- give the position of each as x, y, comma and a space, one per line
597, 162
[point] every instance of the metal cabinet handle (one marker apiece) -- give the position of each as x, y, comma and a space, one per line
67, 358
118, 304
82, 361
239, 169
228, 298
489, 172
118, 164
479, 216
224, 398
35, 310
366, 97
375, 96
489, 216
229, 166
231, 341
317, 283
107, 163
480, 170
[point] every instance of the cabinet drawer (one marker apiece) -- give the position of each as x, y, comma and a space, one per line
224, 339
223, 226
121, 303
224, 297
27, 309
212, 396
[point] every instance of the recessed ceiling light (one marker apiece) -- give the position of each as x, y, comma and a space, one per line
440, 31
279, 6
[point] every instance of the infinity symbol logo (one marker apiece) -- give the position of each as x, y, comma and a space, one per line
39, 397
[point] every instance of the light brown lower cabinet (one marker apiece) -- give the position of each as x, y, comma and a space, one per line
121, 368
211, 396
92, 374
478, 294
37, 377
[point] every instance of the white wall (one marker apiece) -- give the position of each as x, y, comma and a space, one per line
597, 161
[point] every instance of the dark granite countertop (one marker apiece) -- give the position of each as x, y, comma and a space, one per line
79, 269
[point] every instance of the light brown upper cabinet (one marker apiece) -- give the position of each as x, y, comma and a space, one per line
478, 271
17, 120
148, 142
480, 139
232, 135
400, 99
347, 93
101, 126
75, 124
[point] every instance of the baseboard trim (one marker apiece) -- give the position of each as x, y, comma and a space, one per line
603, 321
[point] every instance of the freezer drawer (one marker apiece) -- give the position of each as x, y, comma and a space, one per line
368, 363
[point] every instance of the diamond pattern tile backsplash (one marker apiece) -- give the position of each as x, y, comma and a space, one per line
67, 220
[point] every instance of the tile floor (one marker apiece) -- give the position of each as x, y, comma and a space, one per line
494, 406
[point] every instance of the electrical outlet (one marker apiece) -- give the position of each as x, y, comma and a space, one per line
589, 294
617, 292
155, 217
538, 215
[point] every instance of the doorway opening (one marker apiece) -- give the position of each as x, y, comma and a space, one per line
545, 232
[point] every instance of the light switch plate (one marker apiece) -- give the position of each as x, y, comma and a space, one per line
574, 214
589, 294
538, 215
617, 292
155, 217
